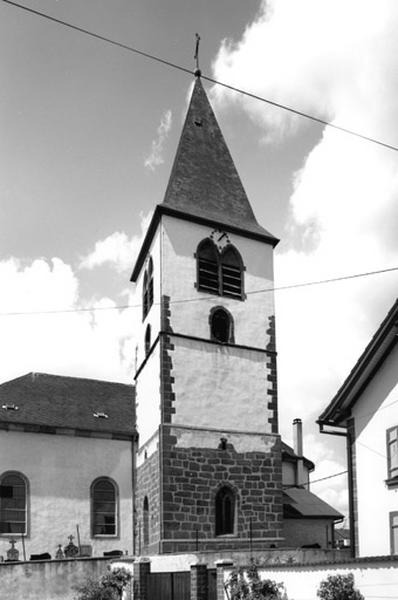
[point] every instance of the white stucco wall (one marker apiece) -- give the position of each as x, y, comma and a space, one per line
373, 416
153, 316
179, 243
219, 386
60, 470
148, 397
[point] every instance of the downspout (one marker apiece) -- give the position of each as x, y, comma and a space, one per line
345, 433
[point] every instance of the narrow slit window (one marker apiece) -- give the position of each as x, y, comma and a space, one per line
147, 289
104, 507
146, 522
147, 339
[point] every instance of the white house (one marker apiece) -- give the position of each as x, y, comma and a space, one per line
365, 409
66, 464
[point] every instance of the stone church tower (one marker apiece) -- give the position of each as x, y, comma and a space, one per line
208, 466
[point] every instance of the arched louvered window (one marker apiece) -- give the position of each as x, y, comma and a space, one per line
104, 507
147, 289
225, 511
13, 503
231, 273
147, 339
221, 325
208, 267
145, 520
217, 273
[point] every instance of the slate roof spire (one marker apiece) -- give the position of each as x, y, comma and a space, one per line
204, 181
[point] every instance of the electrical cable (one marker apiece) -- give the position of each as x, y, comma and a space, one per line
205, 77
288, 487
199, 299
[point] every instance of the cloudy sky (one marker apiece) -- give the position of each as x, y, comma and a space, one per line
88, 135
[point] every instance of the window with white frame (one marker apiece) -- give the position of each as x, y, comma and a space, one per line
104, 509
392, 453
13, 503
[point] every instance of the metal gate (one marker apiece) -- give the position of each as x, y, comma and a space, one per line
169, 586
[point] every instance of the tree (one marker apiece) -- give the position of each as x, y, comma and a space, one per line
249, 586
109, 587
339, 587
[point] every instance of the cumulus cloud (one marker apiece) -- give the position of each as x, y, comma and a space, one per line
93, 344
155, 157
117, 250
336, 60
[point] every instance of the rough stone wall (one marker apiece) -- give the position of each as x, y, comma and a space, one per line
191, 479
148, 484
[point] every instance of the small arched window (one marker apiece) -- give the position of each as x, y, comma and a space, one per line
147, 339
145, 520
231, 273
147, 289
208, 267
217, 273
104, 510
225, 511
221, 325
13, 503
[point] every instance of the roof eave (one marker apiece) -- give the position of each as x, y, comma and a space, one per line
380, 346
162, 209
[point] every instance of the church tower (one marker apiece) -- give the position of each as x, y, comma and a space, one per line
208, 466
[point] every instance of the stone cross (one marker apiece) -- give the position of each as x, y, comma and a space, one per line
13, 553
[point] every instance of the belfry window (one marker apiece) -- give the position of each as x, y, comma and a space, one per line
13, 503
147, 289
225, 511
217, 273
221, 325
231, 273
208, 267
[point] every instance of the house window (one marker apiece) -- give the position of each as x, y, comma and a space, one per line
146, 522
217, 273
147, 289
147, 339
394, 532
221, 325
392, 453
225, 511
104, 499
13, 503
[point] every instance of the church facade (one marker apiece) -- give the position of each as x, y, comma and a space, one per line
209, 466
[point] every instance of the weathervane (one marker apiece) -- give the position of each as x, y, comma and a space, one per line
196, 57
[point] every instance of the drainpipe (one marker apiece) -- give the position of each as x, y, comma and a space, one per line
298, 449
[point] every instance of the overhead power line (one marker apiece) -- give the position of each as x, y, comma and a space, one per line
207, 78
198, 299
288, 487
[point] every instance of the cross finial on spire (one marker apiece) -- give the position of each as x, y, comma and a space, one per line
196, 57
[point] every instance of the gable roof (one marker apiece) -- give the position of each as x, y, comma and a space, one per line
204, 185
289, 454
301, 503
52, 402
375, 353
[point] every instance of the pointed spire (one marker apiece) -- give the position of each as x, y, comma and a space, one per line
204, 182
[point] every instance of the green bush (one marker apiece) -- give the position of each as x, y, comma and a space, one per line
339, 587
109, 587
251, 587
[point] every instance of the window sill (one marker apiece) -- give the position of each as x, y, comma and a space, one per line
106, 536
